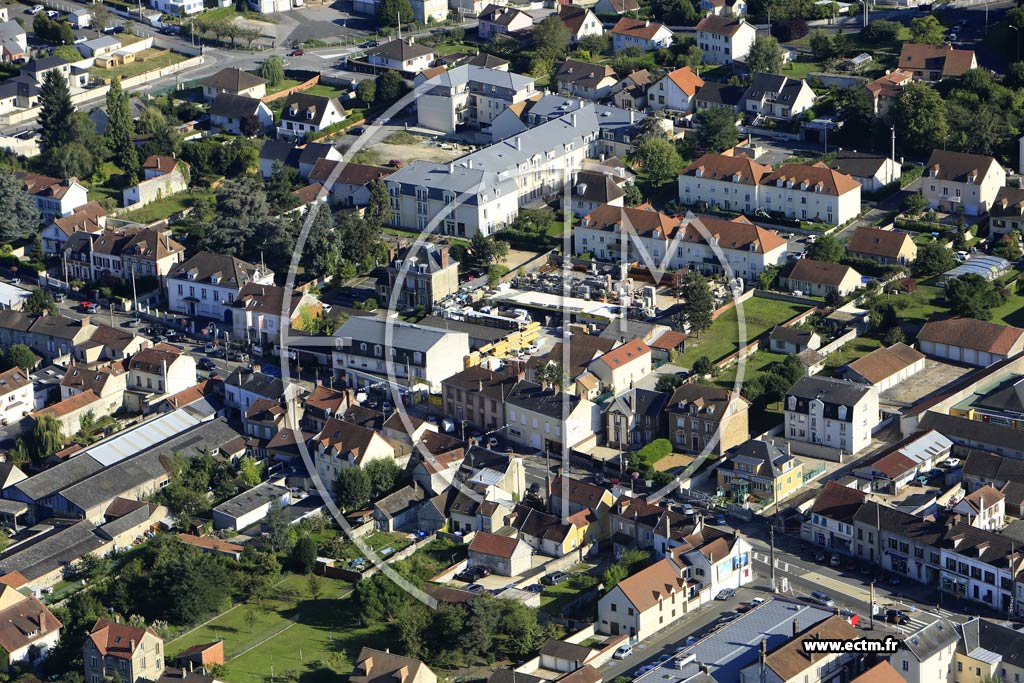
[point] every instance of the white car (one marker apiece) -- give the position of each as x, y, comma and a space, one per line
963, 255
80, 39
623, 651
951, 462
36, 9
52, 13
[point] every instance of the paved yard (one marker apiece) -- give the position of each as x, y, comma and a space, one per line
935, 375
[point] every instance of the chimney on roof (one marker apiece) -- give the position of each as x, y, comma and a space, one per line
132, 642
572, 120
647, 23
117, 618
519, 142
85, 321
42, 621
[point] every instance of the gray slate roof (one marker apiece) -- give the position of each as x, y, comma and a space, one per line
250, 500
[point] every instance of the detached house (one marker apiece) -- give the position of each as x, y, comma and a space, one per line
954, 182
54, 197
642, 33
631, 91
704, 417
580, 21
819, 278
156, 373
419, 275
616, 6
208, 284
261, 312
872, 171
234, 82
503, 555
232, 113
498, 20
636, 418
303, 114
402, 55
1007, 212
760, 469
13, 42
932, 63
585, 80
724, 8
885, 90
724, 40
342, 444
122, 652
350, 186
622, 367
778, 97
90, 218
375, 666
162, 177
883, 246
675, 90
28, 630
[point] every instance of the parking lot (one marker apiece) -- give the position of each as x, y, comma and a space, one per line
935, 375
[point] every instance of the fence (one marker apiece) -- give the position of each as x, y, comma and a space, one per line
305, 85
838, 342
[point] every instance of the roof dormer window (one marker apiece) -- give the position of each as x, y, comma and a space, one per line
310, 112
293, 110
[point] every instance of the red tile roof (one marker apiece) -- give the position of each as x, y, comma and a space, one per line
491, 544
626, 353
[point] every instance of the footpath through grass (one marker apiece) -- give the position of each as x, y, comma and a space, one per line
290, 633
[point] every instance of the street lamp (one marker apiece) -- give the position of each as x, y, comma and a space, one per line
1014, 28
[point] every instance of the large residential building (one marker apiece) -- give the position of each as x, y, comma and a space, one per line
419, 275
675, 90
833, 413
954, 181
125, 653
704, 417
471, 96
811, 193
760, 469
772, 96
729, 181
207, 285
932, 63
476, 397
482, 192
642, 33
120, 253
724, 40
546, 420
371, 351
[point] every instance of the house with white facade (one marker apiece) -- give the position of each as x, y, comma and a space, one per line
91, 217
17, 396
54, 197
372, 351
811, 193
234, 82
349, 186
980, 566
928, 654
675, 90
162, 177
207, 285
642, 33
228, 112
156, 373
724, 40
471, 96
872, 171
724, 8
585, 80
955, 181
497, 20
304, 113
580, 21
622, 367
402, 55
536, 419
729, 181
260, 312
778, 97
342, 444
833, 413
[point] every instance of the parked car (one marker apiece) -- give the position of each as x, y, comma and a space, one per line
756, 601
87, 307
822, 599
206, 364
819, 556
535, 588
554, 578
725, 594
835, 560
720, 520
492, 442
238, 357
898, 617
622, 651
80, 39
475, 588
951, 462
297, 53
52, 13
217, 352
466, 576
36, 9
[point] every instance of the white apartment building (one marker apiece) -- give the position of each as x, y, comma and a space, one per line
832, 413
723, 180
622, 367
953, 181
482, 191
810, 193
534, 416
675, 90
371, 351
469, 95
17, 396
156, 373
207, 285
724, 40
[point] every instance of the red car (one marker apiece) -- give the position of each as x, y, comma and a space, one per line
87, 307
297, 53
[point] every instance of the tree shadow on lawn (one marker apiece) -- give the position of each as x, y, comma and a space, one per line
222, 629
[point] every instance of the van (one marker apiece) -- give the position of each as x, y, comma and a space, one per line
623, 651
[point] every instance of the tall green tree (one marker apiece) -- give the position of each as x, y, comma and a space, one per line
920, 119
390, 86
659, 159
55, 111
927, 29
716, 130
120, 132
551, 37
384, 474
378, 211
821, 45
826, 248
352, 488
698, 303
38, 301
19, 215
393, 12
47, 438
20, 356
272, 70
972, 296
933, 258
765, 56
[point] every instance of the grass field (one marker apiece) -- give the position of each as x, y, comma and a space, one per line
283, 85
315, 639
859, 347
759, 314
162, 208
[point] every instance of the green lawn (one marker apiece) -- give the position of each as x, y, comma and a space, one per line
107, 189
291, 632
162, 208
759, 314
920, 306
283, 85
859, 347
325, 90
800, 69
147, 60
1011, 312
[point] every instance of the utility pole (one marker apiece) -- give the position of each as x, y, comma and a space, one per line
771, 540
135, 295
893, 157
871, 606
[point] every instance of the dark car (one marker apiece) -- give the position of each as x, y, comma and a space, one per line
217, 352
554, 578
535, 588
895, 616
475, 588
206, 364
466, 576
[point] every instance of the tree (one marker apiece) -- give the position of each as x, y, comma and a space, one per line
303, 555
634, 197
716, 130
933, 258
668, 383
367, 91
315, 585
882, 31
250, 471
702, 367
72, 160
272, 70
972, 296
613, 575
842, 46
1008, 248
352, 488
766, 278
120, 132
765, 56
249, 34
19, 216
915, 204
321, 255
920, 115
55, 111
551, 37
495, 273
38, 301
485, 250
389, 87
790, 29
100, 16
20, 356
821, 46
250, 618
826, 248
46, 437
659, 159
383, 474
927, 30
281, 186
552, 374
393, 12
698, 303
378, 211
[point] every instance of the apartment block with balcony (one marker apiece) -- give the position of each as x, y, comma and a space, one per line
954, 182
831, 413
